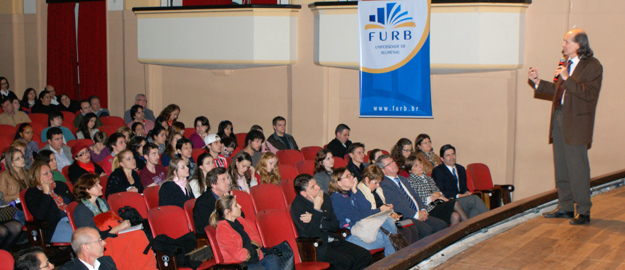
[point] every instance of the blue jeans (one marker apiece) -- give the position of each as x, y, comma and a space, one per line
381, 240
62, 232
268, 262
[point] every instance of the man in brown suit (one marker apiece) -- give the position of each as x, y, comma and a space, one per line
575, 95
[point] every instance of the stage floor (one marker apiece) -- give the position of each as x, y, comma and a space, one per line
543, 243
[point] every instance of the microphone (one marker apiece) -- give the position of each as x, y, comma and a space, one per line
560, 64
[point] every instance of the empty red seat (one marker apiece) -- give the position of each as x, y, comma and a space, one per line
115, 121
289, 156
288, 190
150, 194
267, 196
339, 162
305, 166
287, 171
310, 152
240, 139
133, 199
247, 206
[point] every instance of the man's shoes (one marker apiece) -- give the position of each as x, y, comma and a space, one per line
580, 220
559, 214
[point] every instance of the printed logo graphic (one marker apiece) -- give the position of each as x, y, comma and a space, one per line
390, 16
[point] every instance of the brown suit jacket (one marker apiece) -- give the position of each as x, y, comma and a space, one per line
580, 101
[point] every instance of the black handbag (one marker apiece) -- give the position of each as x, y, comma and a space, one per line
284, 253
397, 239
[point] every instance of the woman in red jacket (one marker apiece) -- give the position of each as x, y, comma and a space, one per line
238, 240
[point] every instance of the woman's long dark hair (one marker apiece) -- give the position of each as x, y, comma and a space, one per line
84, 125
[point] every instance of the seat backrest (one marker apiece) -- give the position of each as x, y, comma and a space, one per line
103, 181
212, 239
289, 156
8, 131
6, 260
288, 190
39, 117
68, 117
109, 130
310, 152
188, 211
27, 215
240, 139
115, 121
267, 196
70, 214
305, 166
133, 199
166, 220
69, 185
247, 206
287, 171
196, 153
150, 195
71, 143
339, 162
188, 131
470, 185
276, 226
37, 129
480, 175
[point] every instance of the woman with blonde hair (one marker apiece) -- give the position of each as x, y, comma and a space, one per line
175, 190
238, 239
13, 179
169, 114
267, 169
124, 177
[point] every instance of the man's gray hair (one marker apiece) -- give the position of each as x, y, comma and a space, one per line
379, 162
139, 95
81, 237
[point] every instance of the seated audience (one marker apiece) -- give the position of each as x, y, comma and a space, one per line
94, 101
98, 149
198, 180
169, 114
47, 157
89, 249
116, 143
83, 164
32, 258
68, 105
25, 134
280, 139
55, 119
63, 153
267, 169
137, 115
93, 212
4, 89
154, 174
228, 145
423, 145
170, 149
43, 104
124, 130
219, 186
435, 202
371, 190
124, 177
140, 99
238, 238
184, 151
10, 232
374, 155
313, 216
47, 201
266, 146
160, 121
85, 108
53, 100
357, 161
202, 126
13, 180
158, 136
451, 179
339, 145
241, 173
351, 206
138, 130
226, 129
175, 190
136, 145
87, 127
29, 98
10, 116
176, 128
400, 152
253, 142
213, 147
405, 200
324, 165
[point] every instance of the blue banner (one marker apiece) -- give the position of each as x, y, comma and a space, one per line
395, 59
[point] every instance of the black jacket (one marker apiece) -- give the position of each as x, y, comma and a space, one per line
322, 225
171, 194
106, 263
43, 207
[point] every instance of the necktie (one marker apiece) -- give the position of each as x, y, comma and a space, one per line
453, 171
412, 205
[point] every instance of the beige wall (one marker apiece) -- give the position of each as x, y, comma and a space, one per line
490, 117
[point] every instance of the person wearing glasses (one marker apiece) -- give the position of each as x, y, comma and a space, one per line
89, 249
32, 258
83, 164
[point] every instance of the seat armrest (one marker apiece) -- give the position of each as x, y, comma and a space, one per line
35, 233
166, 261
509, 188
308, 248
343, 233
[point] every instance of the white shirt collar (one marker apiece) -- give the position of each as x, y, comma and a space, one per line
96, 264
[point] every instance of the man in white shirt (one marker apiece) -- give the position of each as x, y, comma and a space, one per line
405, 200
89, 249
53, 100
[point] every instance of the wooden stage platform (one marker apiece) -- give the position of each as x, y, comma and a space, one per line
543, 243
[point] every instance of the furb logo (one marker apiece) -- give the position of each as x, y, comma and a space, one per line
393, 32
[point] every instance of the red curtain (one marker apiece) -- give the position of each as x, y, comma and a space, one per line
62, 70
92, 50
